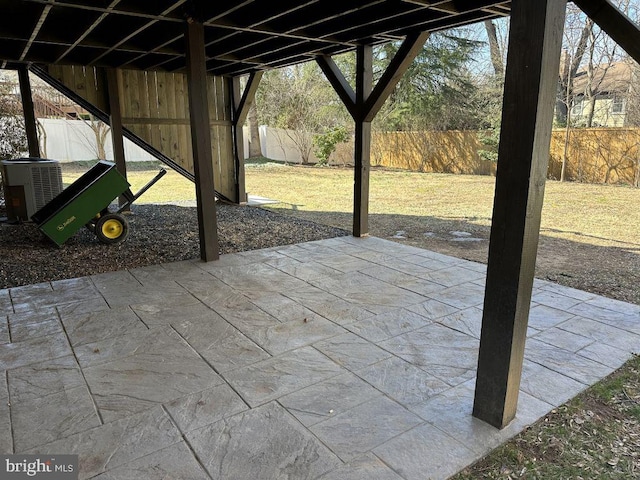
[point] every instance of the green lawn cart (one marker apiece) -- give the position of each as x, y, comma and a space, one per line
86, 203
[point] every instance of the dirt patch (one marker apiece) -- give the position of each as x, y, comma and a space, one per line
603, 267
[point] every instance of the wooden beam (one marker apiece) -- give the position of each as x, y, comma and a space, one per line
115, 121
86, 33
529, 97
362, 141
407, 52
240, 105
163, 16
618, 26
244, 103
339, 83
363, 105
201, 140
36, 31
28, 111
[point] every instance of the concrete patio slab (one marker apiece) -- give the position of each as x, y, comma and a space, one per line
337, 359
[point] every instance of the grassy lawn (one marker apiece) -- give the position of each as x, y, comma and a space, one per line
594, 214
602, 213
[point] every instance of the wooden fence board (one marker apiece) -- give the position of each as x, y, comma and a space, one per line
146, 82
163, 110
155, 107
88, 77
182, 111
594, 155
154, 110
56, 72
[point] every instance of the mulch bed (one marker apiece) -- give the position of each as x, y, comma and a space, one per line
158, 234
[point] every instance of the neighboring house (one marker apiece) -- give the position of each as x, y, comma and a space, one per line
606, 96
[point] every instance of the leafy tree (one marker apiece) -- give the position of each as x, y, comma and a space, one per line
300, 101
13, 139
325, 144
490, 91
490, 102
438, 91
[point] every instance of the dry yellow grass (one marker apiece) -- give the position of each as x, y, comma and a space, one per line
599, 214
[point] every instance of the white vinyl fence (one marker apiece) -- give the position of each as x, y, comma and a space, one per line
74, 140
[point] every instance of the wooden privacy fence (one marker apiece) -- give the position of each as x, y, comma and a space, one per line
441, 152
155, 107
597, 155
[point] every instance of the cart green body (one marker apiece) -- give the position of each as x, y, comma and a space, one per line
83, 200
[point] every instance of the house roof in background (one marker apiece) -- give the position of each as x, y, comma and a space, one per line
241, 36
605, 79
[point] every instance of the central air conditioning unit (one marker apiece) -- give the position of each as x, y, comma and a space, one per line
29, 184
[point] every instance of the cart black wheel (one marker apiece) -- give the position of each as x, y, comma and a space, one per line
112, 228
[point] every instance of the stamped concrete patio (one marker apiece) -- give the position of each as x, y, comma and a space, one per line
338, 359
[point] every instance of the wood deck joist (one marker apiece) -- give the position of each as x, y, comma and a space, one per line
240, 36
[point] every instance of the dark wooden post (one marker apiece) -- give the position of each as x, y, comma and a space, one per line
201, 140
240, 105
618, 26
363, 105
362, 141
29, 112
533, 63
115, 121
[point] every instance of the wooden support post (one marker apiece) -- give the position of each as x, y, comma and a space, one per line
615, 23
362, 147
363, 105
240, 105
338, 82
402, 60
529, 97
115, 121
28, 111
201, 140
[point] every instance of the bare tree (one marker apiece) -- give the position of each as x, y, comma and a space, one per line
101, 133
578, 31
589, 57
572, 55
97, 142
42, 135
495, 49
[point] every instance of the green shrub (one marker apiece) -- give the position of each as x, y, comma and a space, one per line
325, 144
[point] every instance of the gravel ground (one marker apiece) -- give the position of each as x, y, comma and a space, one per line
158, 234
167, 233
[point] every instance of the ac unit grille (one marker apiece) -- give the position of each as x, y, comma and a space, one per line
47, 183
29, 185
